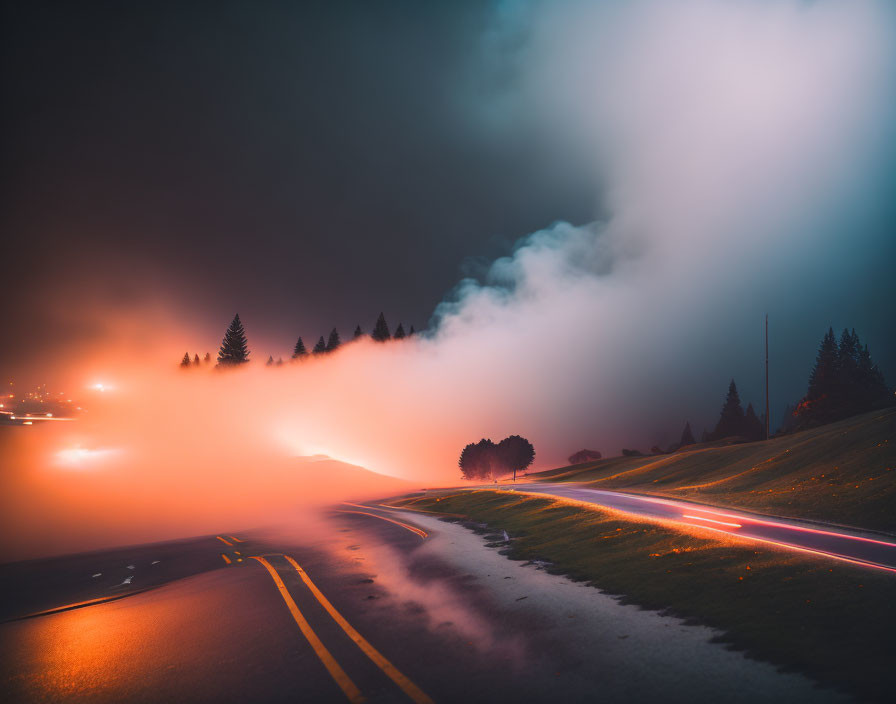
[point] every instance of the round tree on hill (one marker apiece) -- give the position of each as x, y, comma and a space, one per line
515, 453
235, 347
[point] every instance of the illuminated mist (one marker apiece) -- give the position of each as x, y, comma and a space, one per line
722, 131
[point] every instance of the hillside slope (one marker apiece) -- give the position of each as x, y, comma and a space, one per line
844, 472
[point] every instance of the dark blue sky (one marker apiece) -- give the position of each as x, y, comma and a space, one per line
309, 165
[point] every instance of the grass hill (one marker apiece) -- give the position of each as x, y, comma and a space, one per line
844, 472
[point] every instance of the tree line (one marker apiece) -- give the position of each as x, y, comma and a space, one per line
235, 345
844, 381
488, 460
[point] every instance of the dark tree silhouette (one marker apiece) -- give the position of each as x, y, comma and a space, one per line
358, 332
731, 420
320, 347
844, 381
477, 460
399, 333
515, 453
185, 362
270, 361
687, 437
207, 358
196, 360
412, 332
299, 350
334, 340
381, 330
584, 456
235, 347
823, 379
753, 428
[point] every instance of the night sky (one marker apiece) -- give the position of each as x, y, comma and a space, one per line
307, 165
310, 165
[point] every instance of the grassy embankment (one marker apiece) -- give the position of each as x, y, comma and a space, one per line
828, 619
842, 473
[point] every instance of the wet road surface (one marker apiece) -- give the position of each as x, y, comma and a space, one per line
364, 606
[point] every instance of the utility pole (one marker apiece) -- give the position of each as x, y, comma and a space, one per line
766, 376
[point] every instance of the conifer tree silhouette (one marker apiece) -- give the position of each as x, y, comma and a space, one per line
731, 420
687, 437
381, 330
299, 350
334, 340
399, 333
235, 347
320, 347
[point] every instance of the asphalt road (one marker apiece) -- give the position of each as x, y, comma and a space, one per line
878, 552
365, 605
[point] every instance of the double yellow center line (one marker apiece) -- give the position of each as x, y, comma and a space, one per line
417, 531
336, 672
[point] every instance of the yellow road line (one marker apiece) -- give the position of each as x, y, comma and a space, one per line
235, 539
226, 542
336, 672
226, 559
421, 533
408, 687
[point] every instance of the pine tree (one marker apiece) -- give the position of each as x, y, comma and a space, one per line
823, 379
381, 330
334, 340
412, 332
299, 350
358, 332
185, 362
270, 361
235, 347
196, 360
847, 373
399, 333
753, 428
207, 358
687, 437
731, 420
320, 347
279, 361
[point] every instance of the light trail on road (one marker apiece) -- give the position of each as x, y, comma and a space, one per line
839, 544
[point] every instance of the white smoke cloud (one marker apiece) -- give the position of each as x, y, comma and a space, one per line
730, 138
